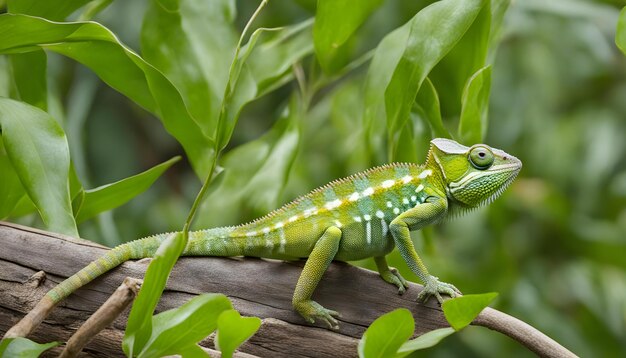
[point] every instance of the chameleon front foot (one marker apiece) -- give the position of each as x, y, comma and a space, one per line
312, 311
434, 287
393, 277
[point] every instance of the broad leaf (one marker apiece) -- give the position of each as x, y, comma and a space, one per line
233, 330
29, 76
432, 33
426, 340
467, 56
112, 195
97, 48
461, 311
193, 351
175, 330
23, 348
427, 103
386, 334
386, 58
11, 190
262, 163
335, 22
50, 9
139, 326
262, 67
177, 40
37, 148
475, 104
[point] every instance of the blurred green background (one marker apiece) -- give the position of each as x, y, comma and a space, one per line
554, 246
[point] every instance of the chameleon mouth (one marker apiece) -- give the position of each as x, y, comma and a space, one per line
460, 207
501, 189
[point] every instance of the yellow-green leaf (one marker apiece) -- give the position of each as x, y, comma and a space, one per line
386, 334
461, 311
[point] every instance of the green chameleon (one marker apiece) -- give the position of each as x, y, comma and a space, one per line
364, 215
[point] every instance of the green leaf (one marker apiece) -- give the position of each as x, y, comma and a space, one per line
99, 49
29, 75
23, 348
270, 61
620, 34
193, 351
175, 330
233, 330
112, 195
11, 189
335, 22
37, 148
175, 38
262, 163
432, 33
427, 103
466, 57
50, 9
475, 104
426, 340
139, 327
386, 334
261, 68
461, 311
385, 59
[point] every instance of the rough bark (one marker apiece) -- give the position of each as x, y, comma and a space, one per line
33, 261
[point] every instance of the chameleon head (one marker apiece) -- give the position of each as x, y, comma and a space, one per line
473, 176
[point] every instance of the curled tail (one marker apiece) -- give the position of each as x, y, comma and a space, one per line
137, 249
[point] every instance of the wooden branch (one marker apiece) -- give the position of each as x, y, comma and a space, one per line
33, 261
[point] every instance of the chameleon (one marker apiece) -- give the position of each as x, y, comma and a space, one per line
361, 216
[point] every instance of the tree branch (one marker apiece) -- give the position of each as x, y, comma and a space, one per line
261, 288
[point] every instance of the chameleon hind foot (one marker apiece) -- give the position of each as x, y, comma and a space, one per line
393, 277
391, 274
434, 287
312, 311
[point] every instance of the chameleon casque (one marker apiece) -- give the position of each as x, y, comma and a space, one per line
364, 215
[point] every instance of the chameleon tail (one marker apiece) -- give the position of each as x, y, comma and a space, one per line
137, 249
213, 242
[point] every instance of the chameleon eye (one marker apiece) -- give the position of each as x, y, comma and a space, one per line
481, 157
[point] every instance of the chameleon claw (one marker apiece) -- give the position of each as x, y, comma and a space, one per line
393, 277
434, 287
312, 311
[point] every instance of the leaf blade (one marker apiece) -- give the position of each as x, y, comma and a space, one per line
21, 347
139, 326
461, 311
424, 341
38, 150
233, 330
335, 22
475, 104
112, 195
177, 329
429, 40
386, 334
98, 48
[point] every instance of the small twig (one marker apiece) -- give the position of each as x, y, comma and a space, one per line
522, 332
107, 313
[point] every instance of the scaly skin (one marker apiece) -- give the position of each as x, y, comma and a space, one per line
364, 215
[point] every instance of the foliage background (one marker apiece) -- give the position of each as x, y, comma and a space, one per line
553, 245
